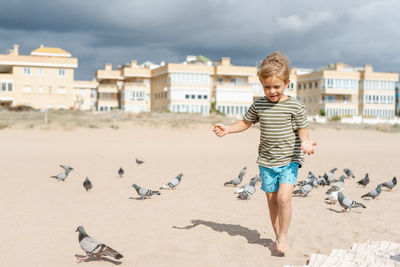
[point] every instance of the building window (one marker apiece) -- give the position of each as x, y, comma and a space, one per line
220, 79
193, 96
61, 72
26, 89
205, 96
27, 71
310, 85
198, 96
61, 90
187, 96
316, 84
40, 72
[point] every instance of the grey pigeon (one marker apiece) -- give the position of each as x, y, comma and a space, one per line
95, 248
374, 193
337, 186
144, 193
310, 179
364, 181
348, 204
66, 167
237, 180
61, 177
121, 172
304, 190
248, 191
329, 176
349, 173
322, 181
332, 195
138, 161
87, 184
173, 183
390, 184
255, 179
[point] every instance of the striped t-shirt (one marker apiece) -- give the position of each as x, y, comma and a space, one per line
279, 121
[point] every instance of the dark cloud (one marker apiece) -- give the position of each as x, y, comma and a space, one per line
311, 32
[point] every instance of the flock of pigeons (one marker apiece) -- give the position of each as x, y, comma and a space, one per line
95, 248
90, 245
334, 193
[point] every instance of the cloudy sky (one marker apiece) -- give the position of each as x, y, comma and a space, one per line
311, 32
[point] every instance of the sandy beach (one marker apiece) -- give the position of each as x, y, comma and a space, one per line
40, 214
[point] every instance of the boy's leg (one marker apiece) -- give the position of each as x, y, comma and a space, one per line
273, 211
284, 202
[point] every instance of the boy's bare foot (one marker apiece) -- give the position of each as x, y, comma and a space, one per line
281, 244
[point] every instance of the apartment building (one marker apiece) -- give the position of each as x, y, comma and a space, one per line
342, 90
377, 93
85, 95
235, 87
397, 96
43, 79
136, 88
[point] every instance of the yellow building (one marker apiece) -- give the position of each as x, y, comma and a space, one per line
43, 79
85, 95
339, 89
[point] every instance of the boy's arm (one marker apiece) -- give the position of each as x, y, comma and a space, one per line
306, 144
239, 126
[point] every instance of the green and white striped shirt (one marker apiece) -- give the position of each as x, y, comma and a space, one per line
279, 121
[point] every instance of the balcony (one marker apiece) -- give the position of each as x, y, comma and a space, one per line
107, 88
339, 91
135, 85
234, 85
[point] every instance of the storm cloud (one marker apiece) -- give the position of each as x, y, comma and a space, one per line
312, 33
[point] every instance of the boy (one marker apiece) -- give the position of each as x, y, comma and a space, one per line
283, 139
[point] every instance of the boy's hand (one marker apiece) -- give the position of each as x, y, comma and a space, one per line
220, 129
308, 147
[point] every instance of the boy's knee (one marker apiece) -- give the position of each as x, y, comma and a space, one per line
283, 200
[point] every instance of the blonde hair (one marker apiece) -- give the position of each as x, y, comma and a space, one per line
275, 64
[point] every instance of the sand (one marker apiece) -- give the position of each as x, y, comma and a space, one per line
39, 215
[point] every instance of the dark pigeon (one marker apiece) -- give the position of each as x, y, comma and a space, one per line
364, 181
390, 184
121, 172
87, 184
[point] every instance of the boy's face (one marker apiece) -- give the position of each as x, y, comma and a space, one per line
274, 87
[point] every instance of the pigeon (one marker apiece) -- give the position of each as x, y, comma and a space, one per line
145, 193
339, 185
304, 190
347, 203
237, 180
374, 193
173, 183
329, 176
92, 247
364, 181
349, 173
87, 184
121, 172
62, 176
332, 196
310, 179
390, 184
322, 181
138, 161
248, 190
255, 179
66, 167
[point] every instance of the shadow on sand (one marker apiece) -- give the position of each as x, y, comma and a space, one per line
252, 236
89, 259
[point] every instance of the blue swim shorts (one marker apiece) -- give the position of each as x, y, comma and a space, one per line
272, 177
